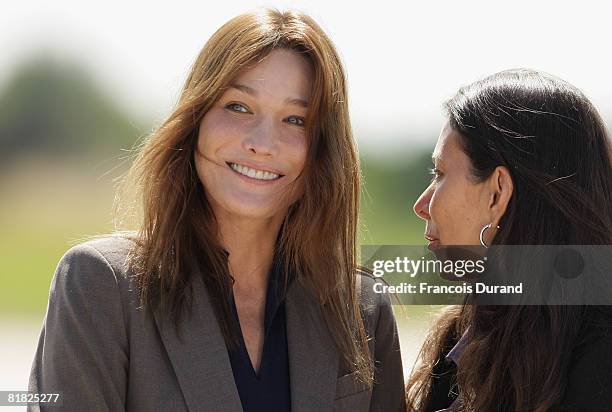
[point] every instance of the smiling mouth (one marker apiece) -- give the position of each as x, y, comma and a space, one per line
254, 173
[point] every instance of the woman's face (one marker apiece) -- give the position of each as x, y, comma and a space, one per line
454, 206
252, 143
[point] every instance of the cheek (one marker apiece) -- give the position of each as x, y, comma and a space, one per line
442, 206
217, 130
213, 136
453, 209
296, 151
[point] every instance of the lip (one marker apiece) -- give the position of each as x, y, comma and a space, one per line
433, 241
433, 244
255, 165
252, 180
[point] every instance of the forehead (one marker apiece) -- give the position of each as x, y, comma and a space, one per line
282, 71
448, 149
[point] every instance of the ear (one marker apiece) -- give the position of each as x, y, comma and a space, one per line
500, 188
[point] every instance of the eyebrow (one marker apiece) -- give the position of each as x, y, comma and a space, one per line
244, 89
435, 158
250, 91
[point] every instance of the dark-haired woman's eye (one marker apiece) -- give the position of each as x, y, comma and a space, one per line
295, 120
435, 174
237, 107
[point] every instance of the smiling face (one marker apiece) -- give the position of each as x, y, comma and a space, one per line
455, 206
252, 143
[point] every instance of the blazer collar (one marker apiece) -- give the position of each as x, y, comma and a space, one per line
201, 363
199, 356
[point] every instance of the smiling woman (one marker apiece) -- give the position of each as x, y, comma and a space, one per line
240, 290
256, 132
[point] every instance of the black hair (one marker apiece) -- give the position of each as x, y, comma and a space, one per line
555, 146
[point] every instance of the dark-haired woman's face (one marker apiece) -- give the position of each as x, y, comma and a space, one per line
454, 206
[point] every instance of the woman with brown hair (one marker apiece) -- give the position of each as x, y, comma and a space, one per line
240, 289
524, 159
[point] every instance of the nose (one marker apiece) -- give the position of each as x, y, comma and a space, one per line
421, 206
262, 139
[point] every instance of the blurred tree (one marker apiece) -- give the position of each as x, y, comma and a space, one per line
55, 108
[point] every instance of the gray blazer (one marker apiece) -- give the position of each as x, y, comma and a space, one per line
102, 352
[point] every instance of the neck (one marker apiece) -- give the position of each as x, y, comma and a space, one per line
250, 243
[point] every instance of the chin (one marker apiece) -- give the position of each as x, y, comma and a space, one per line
253, 213
251, 210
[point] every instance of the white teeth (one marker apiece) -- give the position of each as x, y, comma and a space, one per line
254, 173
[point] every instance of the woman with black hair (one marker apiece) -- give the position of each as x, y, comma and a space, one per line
524, 159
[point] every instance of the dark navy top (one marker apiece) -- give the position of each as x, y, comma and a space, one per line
269, 390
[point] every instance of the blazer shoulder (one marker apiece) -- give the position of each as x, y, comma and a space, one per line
374, 303
83, 349
369, 294
93, 261
115, 249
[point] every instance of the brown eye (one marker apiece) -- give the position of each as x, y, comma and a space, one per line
436, 174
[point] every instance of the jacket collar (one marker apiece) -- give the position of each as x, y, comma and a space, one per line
201, 363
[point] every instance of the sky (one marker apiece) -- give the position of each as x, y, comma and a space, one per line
403, 59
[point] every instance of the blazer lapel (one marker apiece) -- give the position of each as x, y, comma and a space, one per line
199, 356
313, 357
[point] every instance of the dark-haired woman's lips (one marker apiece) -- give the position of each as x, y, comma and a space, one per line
433, 242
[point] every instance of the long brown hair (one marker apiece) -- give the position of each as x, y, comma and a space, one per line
318, 238
555, 145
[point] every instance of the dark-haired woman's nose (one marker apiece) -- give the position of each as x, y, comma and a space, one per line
421, 207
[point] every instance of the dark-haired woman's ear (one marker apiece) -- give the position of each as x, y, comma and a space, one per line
500, 189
